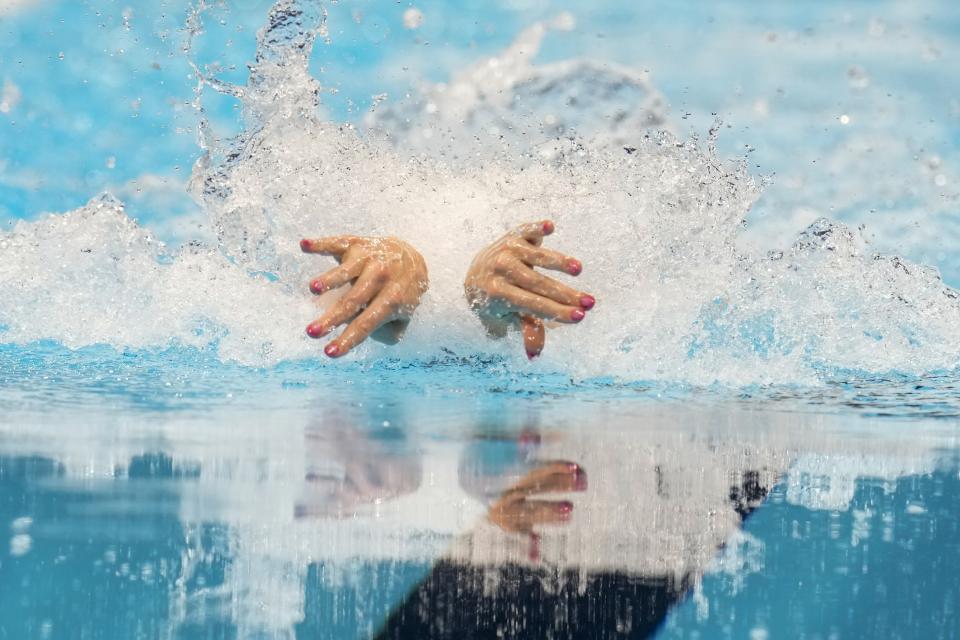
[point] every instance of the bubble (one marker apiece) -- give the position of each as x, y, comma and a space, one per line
20, 544
858, 78
9, 97
412, 18
877, 28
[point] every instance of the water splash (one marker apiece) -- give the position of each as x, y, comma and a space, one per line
654, 218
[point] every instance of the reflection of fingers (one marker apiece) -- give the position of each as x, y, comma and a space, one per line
524, 301
534, 335
548, 259
332, 245
338, 276
379, 312
540, 512
534, 547
535, 231
362, 292
540, 284
554, 477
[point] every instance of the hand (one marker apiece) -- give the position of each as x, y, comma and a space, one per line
348, 469
503, 288
389, 277
516, 513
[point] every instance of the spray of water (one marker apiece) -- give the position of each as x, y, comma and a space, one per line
653, 217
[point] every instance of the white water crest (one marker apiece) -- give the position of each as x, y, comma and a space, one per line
653, 217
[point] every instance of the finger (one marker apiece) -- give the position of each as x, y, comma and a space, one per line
534, 232
554, 477
379, 312
548, 259
367, 286
527, 278
534, 335
540, 512
534, 553
331, 245
526, 302
338, 276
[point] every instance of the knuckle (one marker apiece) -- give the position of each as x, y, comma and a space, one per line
378, 269
503, 262
494, 289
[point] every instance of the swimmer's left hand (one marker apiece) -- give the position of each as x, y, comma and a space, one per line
389, 277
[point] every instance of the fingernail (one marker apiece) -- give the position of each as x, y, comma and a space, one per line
304, 245
565, 509
587, 302
577, 315
315, 331
316, 286
574, 267
532, 355
573, 467
579, 480
547, 228
332, 350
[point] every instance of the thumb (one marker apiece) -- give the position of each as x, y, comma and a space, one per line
534, 335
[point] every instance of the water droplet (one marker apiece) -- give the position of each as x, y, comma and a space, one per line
412, 18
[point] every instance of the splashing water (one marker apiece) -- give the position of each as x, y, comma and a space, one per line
654, 218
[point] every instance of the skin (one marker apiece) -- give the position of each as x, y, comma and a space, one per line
371, 473
389, 278
518, 512
505, 290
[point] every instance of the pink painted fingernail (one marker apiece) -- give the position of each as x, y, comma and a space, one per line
332, 350
315, 331
587, 302
316, 286
579, 480
547, 228
532, 355
577, 315
534, 547
574, 267
304, 245
565, 509
573, 467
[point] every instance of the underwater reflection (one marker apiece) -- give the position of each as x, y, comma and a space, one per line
559, 556
353, 526
348, 470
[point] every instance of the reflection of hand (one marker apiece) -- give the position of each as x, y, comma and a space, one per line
389, 277
515, 512
370, 473
503, 288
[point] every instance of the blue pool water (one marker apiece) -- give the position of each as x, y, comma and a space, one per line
754, 435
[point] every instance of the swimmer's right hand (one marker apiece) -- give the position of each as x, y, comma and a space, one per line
504, 290
389, 277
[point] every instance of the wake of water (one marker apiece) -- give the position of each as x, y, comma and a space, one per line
653, 217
